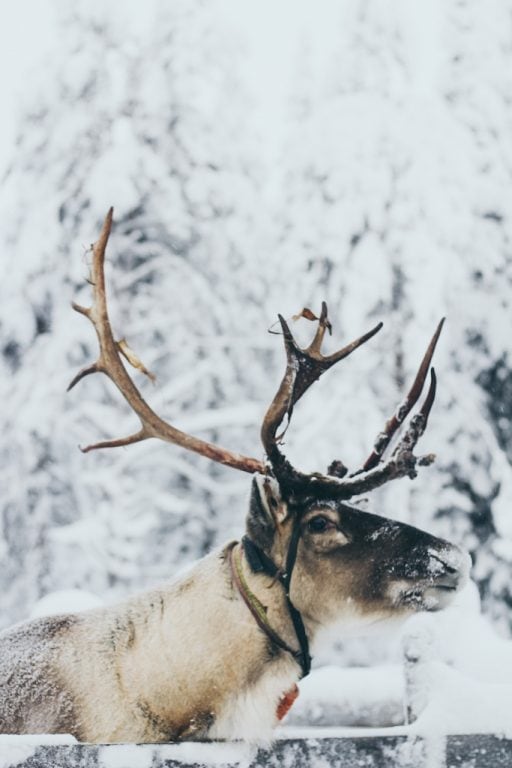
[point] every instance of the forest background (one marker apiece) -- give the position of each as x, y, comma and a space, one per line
259, 160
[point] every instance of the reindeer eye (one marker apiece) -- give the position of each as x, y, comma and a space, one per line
319, 524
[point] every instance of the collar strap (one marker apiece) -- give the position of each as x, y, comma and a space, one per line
256, 607
259, 562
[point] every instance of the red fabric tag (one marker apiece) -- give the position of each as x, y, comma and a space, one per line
286, 702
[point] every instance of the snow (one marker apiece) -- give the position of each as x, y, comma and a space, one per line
209, 754
373, 173
122, 755
362, 695
65, 601
17, 749
467, 671
460, 704
462, 676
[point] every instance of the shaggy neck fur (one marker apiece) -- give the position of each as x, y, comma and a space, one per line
184, 662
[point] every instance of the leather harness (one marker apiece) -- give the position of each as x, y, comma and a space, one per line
259, 562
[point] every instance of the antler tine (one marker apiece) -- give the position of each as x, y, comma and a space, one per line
401, 463
109, 362
429, 400
392, 425
83, 373
303, 368
137, 437
323, 325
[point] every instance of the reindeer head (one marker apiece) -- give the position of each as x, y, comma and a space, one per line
350, 565
333, 559
342, 562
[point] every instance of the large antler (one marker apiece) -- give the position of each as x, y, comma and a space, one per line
304, 367
109, 362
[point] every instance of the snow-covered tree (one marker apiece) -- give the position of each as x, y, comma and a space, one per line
141, 116
391, 207
395, 182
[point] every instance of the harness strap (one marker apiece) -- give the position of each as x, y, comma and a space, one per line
255, 606
298, 623
259, 562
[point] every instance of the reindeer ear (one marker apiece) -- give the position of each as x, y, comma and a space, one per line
271, 498
267, 510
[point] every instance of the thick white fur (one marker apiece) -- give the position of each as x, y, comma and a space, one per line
251, 714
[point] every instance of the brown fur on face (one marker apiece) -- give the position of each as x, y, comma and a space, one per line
352, 564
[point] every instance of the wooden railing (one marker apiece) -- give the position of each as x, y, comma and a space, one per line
476, 751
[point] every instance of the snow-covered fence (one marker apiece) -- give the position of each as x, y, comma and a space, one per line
371, 697
474, 751
417, 648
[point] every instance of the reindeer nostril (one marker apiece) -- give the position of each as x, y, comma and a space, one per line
451, 566
442, 566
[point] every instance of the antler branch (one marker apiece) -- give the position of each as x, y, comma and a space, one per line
393, 424
305, 366
109, 362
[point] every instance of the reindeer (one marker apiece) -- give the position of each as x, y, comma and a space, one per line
217, 653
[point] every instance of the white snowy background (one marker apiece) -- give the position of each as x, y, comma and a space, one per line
260, 157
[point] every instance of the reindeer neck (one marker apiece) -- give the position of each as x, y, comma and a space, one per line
169, 651
259, 563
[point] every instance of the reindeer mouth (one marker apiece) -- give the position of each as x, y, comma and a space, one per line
429, 597
447, 573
